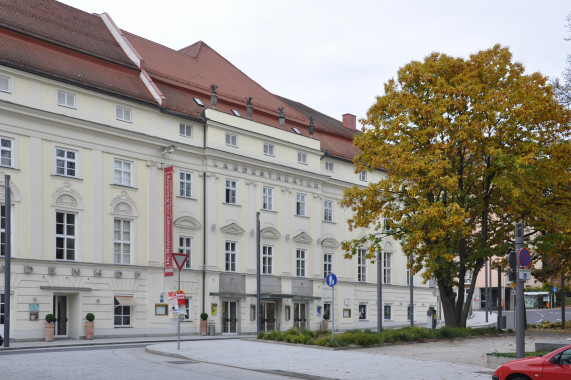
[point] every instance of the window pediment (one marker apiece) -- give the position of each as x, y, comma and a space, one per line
270, 233
233, 229
330, 243
302, 238
187, 223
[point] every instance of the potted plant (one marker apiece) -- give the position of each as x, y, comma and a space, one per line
326, 321
203, 323
49, 327
89, 326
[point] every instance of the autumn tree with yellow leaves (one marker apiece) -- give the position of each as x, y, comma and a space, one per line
469, 147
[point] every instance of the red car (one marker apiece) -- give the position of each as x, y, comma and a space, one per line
555, 365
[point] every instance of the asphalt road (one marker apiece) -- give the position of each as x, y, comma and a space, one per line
536, 316
124, 362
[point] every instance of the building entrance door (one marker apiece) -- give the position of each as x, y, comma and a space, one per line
299, 315
268, 316
229, 317
60, 312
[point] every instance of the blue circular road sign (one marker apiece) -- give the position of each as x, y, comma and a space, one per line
331, 279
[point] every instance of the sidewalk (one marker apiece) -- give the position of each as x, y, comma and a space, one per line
478, 320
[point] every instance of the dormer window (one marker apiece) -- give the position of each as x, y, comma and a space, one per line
302, 158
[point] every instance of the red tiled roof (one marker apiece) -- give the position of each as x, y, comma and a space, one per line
39, 58
198, 66
62, 25
66, 43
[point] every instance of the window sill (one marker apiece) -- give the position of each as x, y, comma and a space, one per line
270, 211
231, 204
9, 167
189, 198
66, 177
302, 216
123, 186
329, 222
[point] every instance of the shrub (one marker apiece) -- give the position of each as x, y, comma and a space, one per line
204, 316
90, 317
50, 318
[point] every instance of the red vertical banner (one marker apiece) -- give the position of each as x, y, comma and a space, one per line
169, 271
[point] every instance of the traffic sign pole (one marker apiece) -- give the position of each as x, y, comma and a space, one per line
520, 303
331, 281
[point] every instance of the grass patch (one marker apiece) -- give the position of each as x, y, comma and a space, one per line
365, 338
551, 326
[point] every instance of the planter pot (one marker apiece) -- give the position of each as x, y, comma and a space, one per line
203, 327
49, 329
89, 326
326, 324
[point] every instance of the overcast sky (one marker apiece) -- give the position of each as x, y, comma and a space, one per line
335, 55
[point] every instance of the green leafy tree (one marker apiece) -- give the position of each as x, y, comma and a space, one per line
469, 146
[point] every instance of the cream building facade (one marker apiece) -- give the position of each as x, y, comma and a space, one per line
87, 183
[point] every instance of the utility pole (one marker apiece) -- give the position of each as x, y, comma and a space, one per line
486, 290
379, 292
499, 299
258, 278
563, 303
520, 303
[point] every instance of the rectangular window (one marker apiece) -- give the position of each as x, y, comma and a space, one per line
65, 236
267, 259
122, 172
6, 152
230, 255
362, 312
362, 265
185, 184
300, 262
187, 303
328, 166
4, 84
121, 314
327, 264
185, 130
231, 187
122, 241
185, 246
268, 198
302, 158
363, 176
387, 311
387, 267
300, 204
66, 161
231, 140
328, 211
123, 114
65, 99
268, 149
2, 230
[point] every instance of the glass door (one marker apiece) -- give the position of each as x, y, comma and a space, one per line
268, 316
299, 315
60, 312
229, 317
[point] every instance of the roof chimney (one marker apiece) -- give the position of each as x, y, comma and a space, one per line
350, 121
